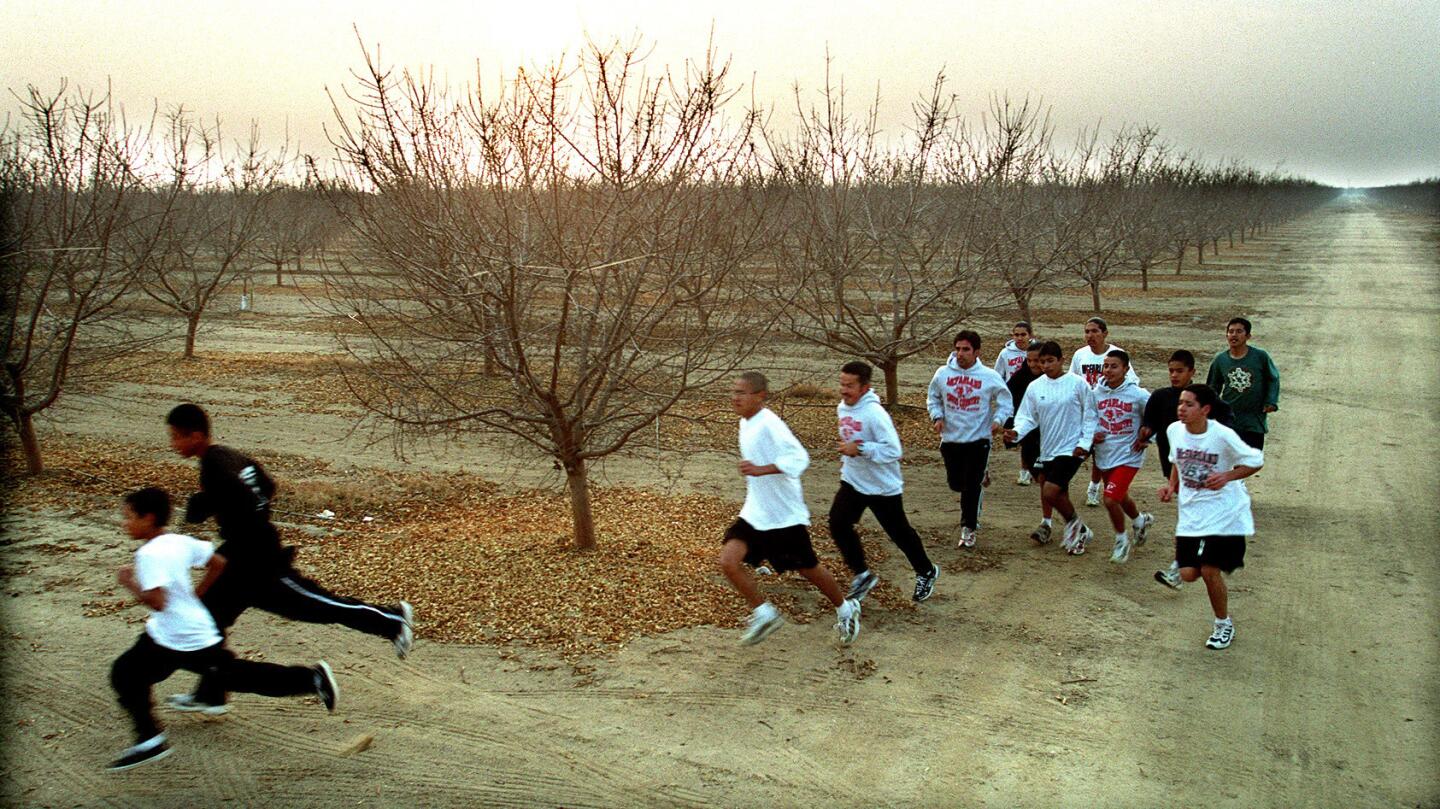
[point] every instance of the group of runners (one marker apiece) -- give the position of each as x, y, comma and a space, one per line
1093, 409
1210, 437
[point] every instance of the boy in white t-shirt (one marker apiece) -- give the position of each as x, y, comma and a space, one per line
774, 523
181, 634
1209, 461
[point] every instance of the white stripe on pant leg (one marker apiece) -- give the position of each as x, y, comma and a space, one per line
332, 602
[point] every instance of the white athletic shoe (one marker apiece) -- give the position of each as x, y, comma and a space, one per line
1222, 636
763, 621
847, 621
967, 538
188, 704
1072, 529
1024, 479
404, 639
1121, 554
861, 585
1092, 494
1141, 526
1170, 578
1082, 536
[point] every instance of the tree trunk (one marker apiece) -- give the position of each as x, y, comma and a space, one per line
31, 444
192, 324
1200, 252
1144, 276
1095, 296
576, 478
1231, 234
1215, 246
279, 267
891, 367
1179, 258
1022, 302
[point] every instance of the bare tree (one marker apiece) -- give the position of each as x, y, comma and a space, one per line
877, 259
72, 233
590, 230
298, 222
219, 196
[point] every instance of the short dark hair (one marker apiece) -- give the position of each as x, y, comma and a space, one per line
1099, 321
1184, 357
1120, 355
1050, 348
1204, 395
1023, 324
1034, 346
189, 418
756, 380
151, 500
970, 336
1242, 321
859, 369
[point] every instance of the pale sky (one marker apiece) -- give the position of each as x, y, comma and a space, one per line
1346, 93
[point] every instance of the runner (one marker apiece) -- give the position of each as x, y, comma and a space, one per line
1017, 384
870, 478
968, 403
1210, 460
1012, 357
1245, 378
1160, 414
1087, 362
1055, 404
180, 634
236, 491
774, 523
1116, 407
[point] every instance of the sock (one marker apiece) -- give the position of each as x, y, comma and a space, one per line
1223, 621
1045, 521
767, 609
1120, 536
1174, 566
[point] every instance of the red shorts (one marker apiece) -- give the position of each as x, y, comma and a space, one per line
1117, 481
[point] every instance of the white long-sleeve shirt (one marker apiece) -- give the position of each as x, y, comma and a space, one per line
1117, 413
876, 470
1056, 405
773, 501
1086, 363
1211, 512
969, 400
1009, 360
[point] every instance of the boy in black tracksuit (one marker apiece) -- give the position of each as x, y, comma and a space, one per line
236, 491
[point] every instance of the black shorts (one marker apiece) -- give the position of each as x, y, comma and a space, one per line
785, 548
1256, 440
1224, 552
1059, 470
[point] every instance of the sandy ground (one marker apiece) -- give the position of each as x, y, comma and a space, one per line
1040, 680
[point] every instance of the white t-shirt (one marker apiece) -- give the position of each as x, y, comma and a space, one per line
1211, 512
1056, 406
165, 562
1086, 363
773, 501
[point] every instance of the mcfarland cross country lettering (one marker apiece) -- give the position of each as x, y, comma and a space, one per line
850, 427
963, 385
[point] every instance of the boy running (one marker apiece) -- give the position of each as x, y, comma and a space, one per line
1055, 404
774, 523
1160, 413
1018, 383
870, 478
1012, 357
1116, 405
1087, 363
1247, 380
180, 634
236, 491
967, 403
1210, 461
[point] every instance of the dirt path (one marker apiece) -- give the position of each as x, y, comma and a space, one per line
1038, 680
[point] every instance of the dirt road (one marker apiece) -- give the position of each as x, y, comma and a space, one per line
1039, 680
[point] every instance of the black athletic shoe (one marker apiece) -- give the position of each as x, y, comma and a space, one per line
925, 583
862, 584
152, 749
325, 686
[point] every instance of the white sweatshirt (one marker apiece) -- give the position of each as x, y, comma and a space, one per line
1211, 512
876, 470
773, 501
1116, 413
1086, 363
1057, 407
164, 562
1009, 360
969, 400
